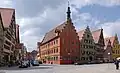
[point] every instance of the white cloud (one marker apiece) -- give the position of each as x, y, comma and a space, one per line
33, 29
86, 19
81, 3
35, 19
5, 3
111, 28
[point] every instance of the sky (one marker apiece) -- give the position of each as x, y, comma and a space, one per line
37, 17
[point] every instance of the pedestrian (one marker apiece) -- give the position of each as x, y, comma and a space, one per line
117, 64
29, 63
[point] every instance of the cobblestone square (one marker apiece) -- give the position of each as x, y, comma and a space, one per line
95, 68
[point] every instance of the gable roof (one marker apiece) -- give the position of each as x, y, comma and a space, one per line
51, 34
80, 34
6, 14
96, 35
112, 40
106, 40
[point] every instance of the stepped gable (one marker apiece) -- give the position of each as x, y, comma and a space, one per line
112, 40
106, 40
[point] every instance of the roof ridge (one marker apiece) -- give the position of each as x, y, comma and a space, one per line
8, 8
110, 37
50, 34
56, 27
96, 30
81, 30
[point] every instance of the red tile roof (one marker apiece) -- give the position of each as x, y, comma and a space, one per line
80, 34
96, 35
6, 14
112, 40
106, 40
51, 34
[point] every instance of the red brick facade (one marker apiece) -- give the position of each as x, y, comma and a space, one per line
69, 44
61, 45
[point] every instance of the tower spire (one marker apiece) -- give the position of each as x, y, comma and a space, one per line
68, 12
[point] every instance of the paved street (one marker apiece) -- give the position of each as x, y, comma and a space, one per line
96, 68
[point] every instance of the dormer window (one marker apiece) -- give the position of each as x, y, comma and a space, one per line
57, 32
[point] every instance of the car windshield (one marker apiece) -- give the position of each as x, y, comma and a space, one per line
36, 62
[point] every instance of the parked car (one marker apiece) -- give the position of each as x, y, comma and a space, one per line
91, 62
35, 63
77, 63
40, 62
24, 64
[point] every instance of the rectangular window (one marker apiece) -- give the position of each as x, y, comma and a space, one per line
84, 40
83, 46
8, 43
53, 58
73, 42
87, 46
54, 51
63, 41
57, 50
48, 44
57, 58
6, 47
76, 42
56, 41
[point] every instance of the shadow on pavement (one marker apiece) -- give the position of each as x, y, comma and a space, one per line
29, 68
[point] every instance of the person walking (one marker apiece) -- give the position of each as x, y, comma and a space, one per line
117, 64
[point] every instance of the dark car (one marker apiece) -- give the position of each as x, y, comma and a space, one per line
40, 62
77, 63
24, 64
35, 63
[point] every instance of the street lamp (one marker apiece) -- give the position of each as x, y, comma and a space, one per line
69, 57
109, 56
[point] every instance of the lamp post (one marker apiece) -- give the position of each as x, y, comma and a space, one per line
108, 56
69, 57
